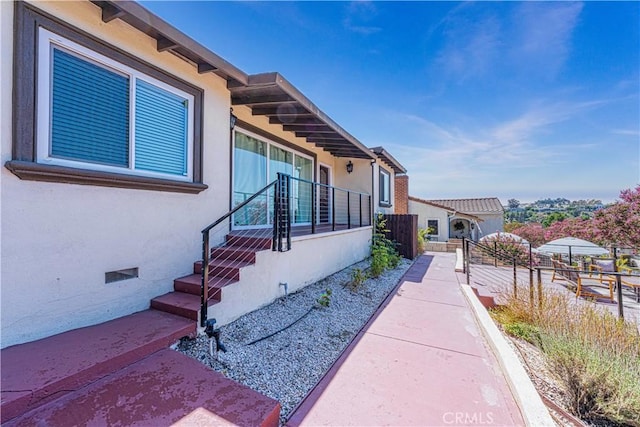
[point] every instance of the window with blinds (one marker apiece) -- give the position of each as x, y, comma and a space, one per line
107, 116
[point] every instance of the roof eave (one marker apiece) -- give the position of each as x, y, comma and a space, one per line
386, 157
270, 94
168, 38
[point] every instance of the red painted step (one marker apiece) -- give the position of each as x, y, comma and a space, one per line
40, 371
234, 253
166, 388
192, 285
180, 304
222, 267
257, 243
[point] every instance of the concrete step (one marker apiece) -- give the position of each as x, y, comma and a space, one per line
40, 371
166, 388
192, 284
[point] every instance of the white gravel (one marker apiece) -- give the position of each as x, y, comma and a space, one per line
287, 365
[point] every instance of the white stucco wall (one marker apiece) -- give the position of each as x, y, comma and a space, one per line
311, 258
490, 224
426, 212
58, 240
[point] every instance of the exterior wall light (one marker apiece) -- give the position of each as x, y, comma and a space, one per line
232, 119
349, 167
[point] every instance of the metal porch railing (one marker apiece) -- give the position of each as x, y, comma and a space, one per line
286, 207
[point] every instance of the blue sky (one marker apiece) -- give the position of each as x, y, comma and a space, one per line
522, 100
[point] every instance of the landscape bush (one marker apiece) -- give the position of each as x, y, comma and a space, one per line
594, 355
384, 254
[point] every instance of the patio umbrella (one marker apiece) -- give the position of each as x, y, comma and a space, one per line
578, 247
505, 234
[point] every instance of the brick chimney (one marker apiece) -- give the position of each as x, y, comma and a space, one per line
401, 194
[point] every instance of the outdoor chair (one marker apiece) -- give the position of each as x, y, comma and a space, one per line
602, 266
585, 284
558, 270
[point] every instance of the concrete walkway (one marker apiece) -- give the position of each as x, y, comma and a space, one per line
421, 361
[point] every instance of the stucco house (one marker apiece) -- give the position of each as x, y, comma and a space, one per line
444, 222
123, 140
489, 210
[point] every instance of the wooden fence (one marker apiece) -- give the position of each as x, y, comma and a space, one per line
403, 229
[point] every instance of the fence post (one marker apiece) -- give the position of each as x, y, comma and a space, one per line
618, 284
313, 208
495, 254
515, 277
531, 297
349, 210
333, 208
468, 262
276, 214
204, 292
360, 209
539, 287
464, 255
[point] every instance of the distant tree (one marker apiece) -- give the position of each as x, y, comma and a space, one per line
553, 217
532, 232
571, 227
619, 224
510, 226
513, 203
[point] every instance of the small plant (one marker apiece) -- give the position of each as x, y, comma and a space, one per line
525, 331
383, 250
325, 298
358, 277
423, 234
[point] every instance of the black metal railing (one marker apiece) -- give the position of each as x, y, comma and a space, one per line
269, 218
516, 263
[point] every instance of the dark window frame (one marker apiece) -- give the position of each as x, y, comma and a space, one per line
385, 204
27, 20
437, 227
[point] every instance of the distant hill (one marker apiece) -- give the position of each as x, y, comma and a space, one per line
549, 210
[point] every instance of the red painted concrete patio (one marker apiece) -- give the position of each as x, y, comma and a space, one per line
422, 361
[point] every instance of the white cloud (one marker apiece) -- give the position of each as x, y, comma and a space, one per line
541, 40
358, 15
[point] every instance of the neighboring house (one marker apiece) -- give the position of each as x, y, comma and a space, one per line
488, 210
119, 149
445, 222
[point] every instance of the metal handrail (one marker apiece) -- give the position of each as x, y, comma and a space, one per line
329, 186
206, 252
281, 232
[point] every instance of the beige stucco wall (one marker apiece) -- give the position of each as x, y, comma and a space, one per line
58, 240
320, 255
426, 212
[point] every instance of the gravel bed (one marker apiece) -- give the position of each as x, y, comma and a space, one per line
287, 365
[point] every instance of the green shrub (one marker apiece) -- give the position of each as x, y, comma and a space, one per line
422, 238
358, 277
526, 331
383, 250
325, 299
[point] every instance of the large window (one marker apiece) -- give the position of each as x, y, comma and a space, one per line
96, 113
385, 188
85, 112
256, 162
